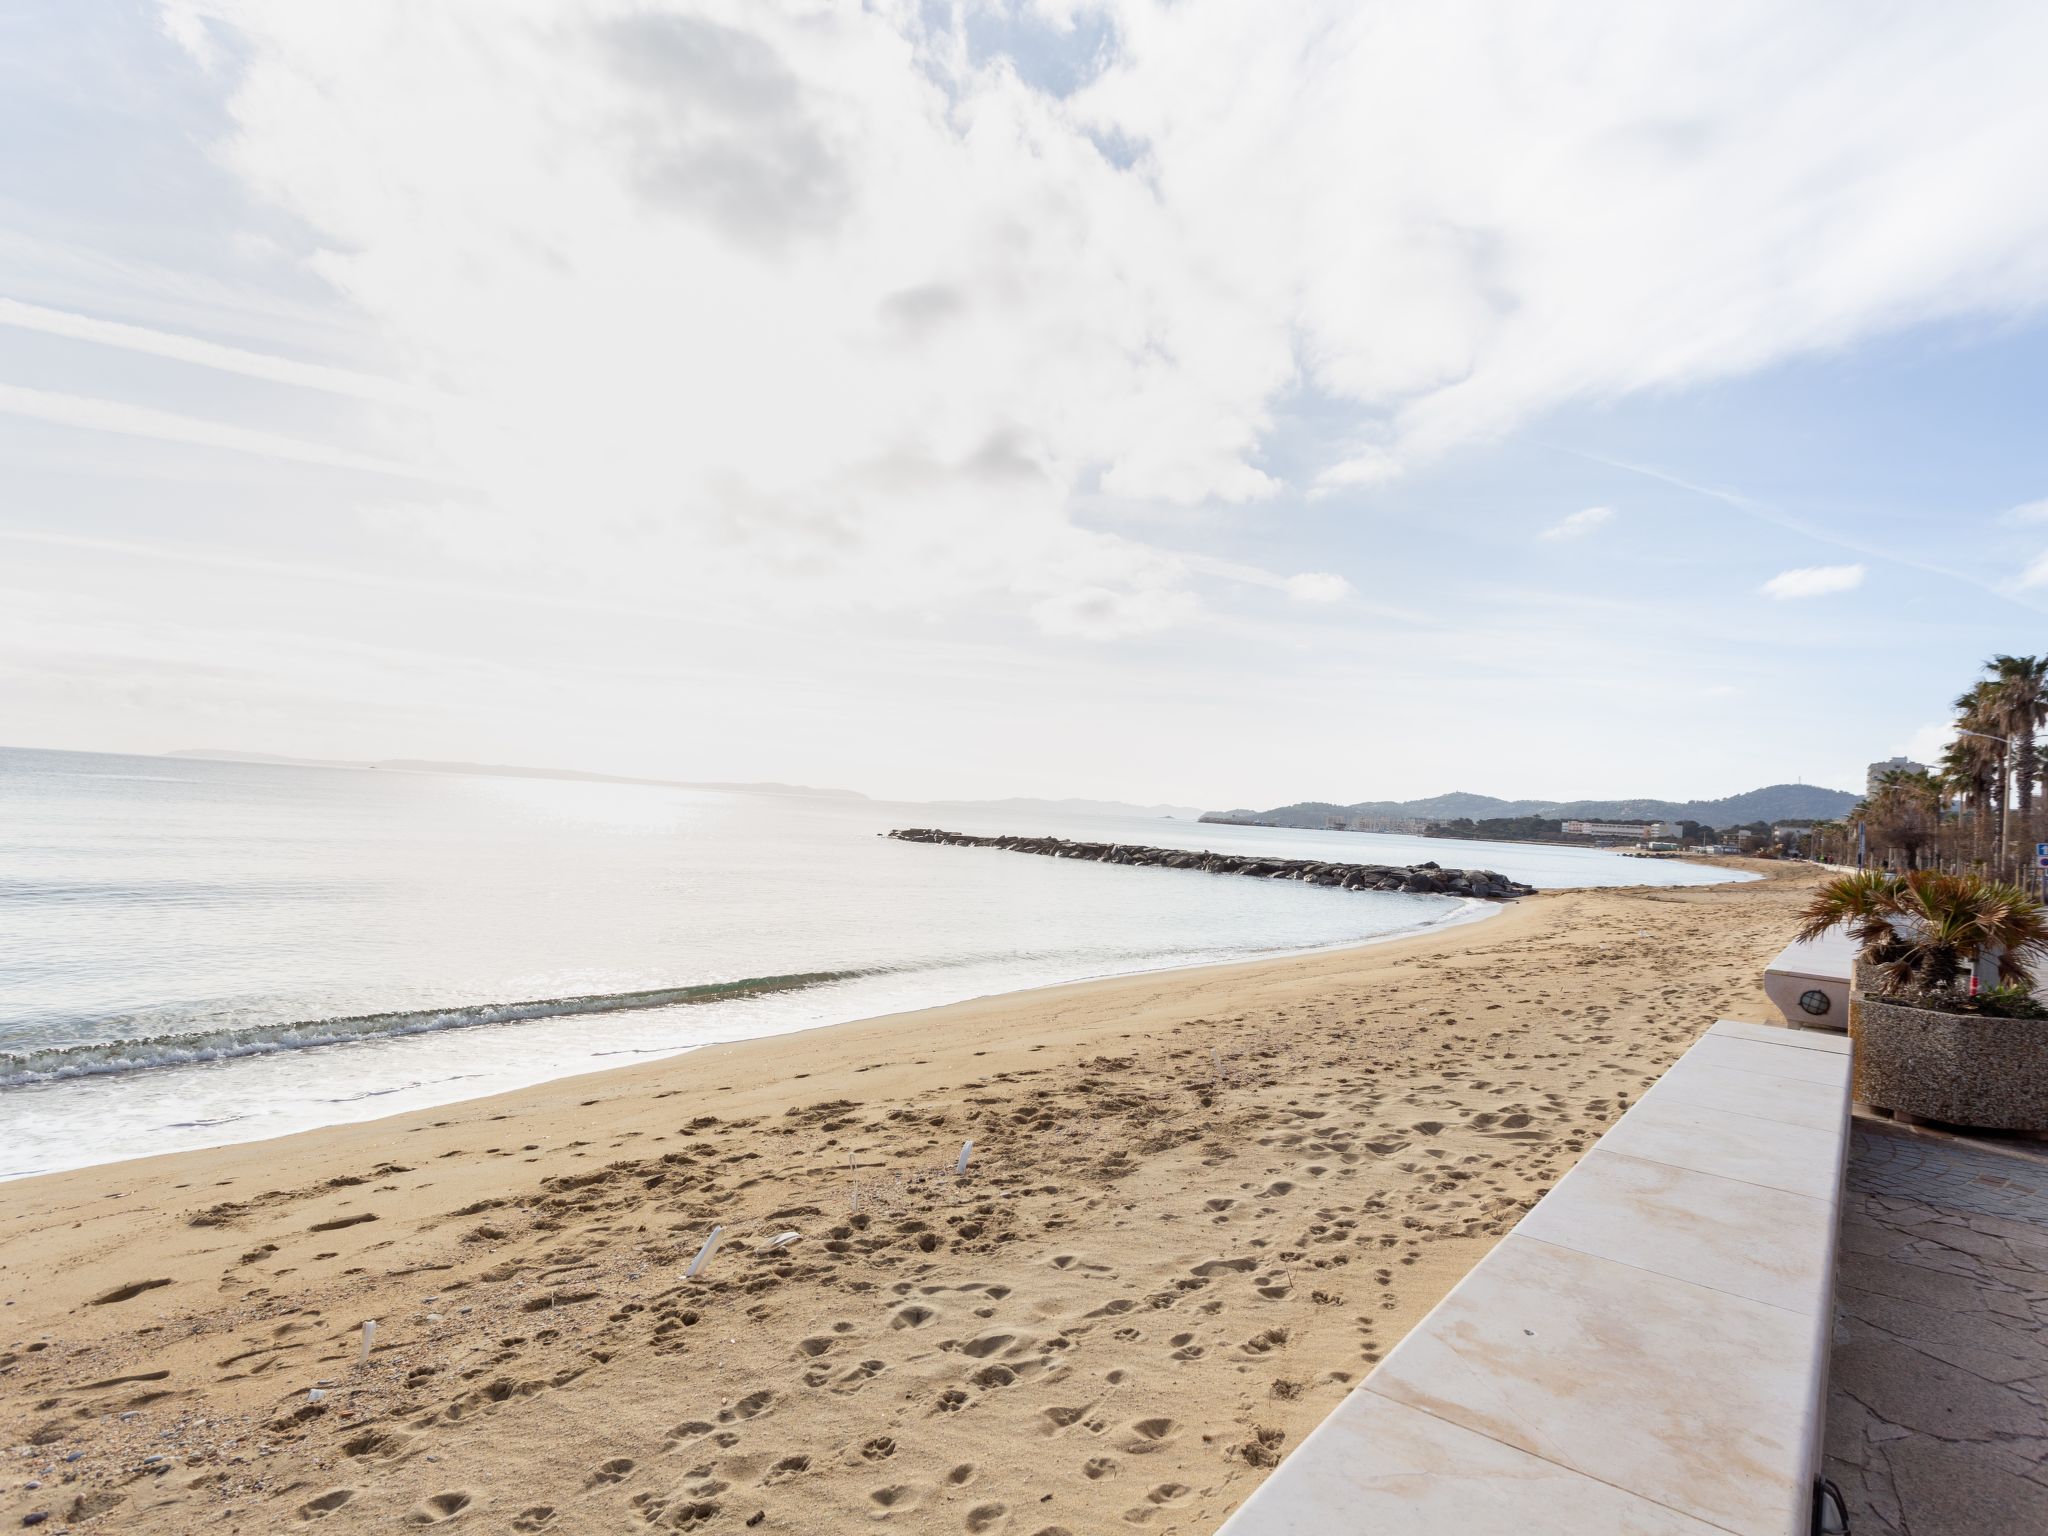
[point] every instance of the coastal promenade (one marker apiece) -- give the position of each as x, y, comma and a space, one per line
1201, 1206
1938, 1403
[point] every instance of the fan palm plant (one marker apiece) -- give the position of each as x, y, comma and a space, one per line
1969, 771
1904, 810
2018, 696
1925, 931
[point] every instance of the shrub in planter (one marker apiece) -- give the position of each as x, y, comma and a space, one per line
1932, 1039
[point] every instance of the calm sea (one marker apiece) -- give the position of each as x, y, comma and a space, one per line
194, 953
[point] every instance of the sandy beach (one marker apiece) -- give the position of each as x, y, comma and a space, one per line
1199, 1205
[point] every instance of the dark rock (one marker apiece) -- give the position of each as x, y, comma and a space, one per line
1428, 878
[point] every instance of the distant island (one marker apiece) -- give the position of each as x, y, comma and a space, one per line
1773, 804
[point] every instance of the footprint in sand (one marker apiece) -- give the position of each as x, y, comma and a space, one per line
988, 1344
988, 1517
858, 1377
963, 1474
912, 1316
1148, 1435
326, 1504
896, 1497
881, 1448
1096, 1468
537, 1517
612, 1471
785, 1469
439, 1507
377, 1444
752, 1406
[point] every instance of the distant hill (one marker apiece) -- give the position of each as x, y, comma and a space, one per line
1774, 802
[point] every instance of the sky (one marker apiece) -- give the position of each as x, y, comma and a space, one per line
1193, 402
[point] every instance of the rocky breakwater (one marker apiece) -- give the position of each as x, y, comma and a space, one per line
1429, 879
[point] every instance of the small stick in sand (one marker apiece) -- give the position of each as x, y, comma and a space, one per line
369, 1337
703, 1253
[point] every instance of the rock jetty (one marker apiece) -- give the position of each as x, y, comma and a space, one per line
1429, 879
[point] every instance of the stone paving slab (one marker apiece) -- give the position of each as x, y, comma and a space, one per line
1938, 1392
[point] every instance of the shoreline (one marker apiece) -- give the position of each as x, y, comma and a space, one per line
1470, 910
1200, 1203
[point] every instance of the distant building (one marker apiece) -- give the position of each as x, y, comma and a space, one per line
1877, 770
1415, 826
1620, 830
1640, 830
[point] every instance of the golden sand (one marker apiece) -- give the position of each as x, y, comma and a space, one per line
1199, 1206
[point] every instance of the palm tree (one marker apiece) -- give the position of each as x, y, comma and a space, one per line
1923, 930
1977, 723
2019, 703
1904, 809
1969, 771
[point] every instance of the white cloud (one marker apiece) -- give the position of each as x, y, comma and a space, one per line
1579, 524
1103, 613
2036, 573
1927, 743
1318, 587
97, 415
206, 354
756, 301
2029, 512
1815, 581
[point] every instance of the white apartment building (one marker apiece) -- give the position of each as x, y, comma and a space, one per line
1641, 830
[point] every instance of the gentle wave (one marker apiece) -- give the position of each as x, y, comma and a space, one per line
110, 1057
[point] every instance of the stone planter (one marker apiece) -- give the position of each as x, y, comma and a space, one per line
1958, 1068
1863, 985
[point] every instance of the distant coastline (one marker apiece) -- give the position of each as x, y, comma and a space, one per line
1771, 803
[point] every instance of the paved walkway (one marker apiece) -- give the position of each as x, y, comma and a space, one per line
1938, 1393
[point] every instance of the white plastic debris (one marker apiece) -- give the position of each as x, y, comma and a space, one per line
703, 1254
779, 1240
966, 1151
369, 1338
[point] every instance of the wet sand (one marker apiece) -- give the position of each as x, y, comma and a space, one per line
1200, 1204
